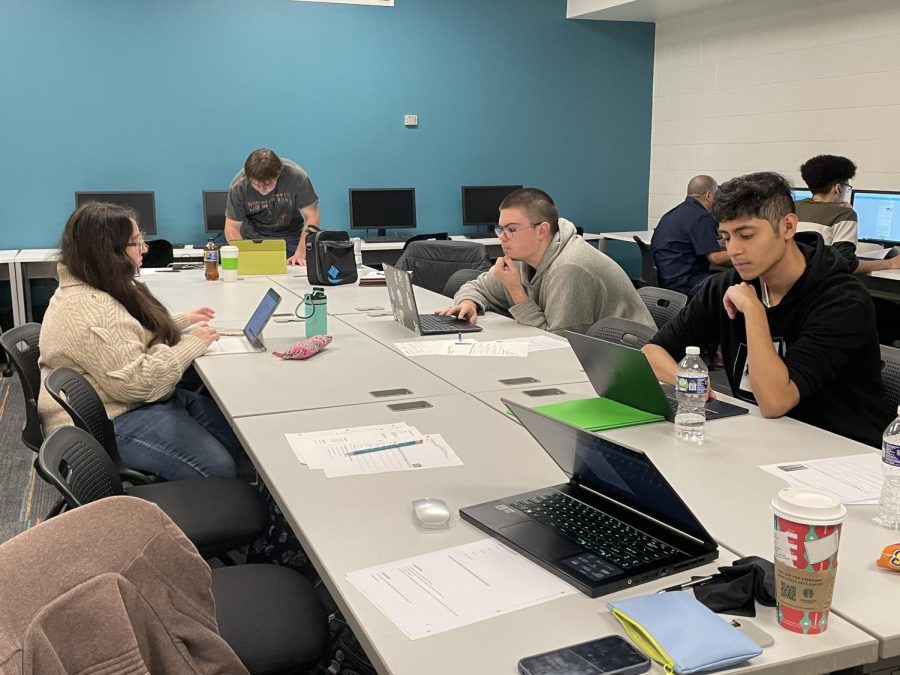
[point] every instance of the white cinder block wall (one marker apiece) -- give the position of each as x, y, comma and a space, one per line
765, 84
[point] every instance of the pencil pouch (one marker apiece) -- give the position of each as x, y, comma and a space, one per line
305, 349
681, 634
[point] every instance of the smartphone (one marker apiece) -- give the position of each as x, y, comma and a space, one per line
611, 655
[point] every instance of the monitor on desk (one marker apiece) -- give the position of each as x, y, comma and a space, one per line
801, 194
481, 203
144, 204
879, 215
214, 210
382, 209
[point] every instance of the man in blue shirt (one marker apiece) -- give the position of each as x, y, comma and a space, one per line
686, 240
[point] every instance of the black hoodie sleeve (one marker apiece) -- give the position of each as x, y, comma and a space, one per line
695, 325
839, 327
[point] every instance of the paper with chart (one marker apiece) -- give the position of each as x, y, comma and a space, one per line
518, 348
330, 451
854, 479
439, 591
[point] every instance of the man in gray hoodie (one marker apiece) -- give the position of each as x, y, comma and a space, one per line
549, 277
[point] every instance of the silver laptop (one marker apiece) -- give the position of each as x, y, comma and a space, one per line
250, 338
403, 304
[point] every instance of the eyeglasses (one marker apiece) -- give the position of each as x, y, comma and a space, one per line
510, 231
140, 243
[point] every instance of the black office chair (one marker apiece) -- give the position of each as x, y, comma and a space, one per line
458, 279
78, 398
662, 303
159, 253
623, 331
433, 262
217, 514
890, 374
437, 236
22, 348
648, 266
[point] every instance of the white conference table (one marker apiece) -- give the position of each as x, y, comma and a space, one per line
352, 523
363, 524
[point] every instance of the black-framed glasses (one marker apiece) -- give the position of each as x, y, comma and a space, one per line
510, 231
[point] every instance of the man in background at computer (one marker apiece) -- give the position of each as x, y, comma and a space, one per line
797, 330
686, 241
272, 198
548, 277
829, 213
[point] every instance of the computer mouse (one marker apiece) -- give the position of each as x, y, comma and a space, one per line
431, 513
893, 253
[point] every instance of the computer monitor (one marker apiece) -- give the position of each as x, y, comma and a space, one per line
879, 215
801, 194
214, 210
481, 203
144, 204
382, 209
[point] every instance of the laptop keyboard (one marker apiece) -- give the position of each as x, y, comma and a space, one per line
435, 322
610, 538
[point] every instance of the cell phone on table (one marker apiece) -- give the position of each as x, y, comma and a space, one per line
611, 655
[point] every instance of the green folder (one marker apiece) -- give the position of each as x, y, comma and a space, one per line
598, 414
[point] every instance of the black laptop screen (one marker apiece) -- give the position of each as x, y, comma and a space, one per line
262, 315
626, 475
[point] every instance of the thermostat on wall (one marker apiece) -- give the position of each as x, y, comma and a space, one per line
411, 120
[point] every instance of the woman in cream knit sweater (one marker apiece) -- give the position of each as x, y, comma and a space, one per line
108, 327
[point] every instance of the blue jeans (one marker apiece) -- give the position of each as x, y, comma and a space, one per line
185, 436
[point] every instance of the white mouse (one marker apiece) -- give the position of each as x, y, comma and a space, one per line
431, 513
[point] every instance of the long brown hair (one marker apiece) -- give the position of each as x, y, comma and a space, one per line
94, 250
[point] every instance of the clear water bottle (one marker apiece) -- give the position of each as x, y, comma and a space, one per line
357, 250
889, 504
691, 390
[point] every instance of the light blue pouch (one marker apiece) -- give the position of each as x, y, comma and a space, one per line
683, 635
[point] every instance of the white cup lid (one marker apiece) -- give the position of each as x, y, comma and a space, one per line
808, 506
229, 249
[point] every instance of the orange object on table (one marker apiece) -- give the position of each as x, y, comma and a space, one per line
890, 558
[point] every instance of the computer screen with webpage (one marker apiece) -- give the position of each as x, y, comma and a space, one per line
879, 215
144, 203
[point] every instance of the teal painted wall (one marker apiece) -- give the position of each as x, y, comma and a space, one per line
172, 96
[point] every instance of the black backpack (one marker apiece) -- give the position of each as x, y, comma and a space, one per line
330, 260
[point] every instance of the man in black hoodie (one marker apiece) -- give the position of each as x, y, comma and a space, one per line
797, 330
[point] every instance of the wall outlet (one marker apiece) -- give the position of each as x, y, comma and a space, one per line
411, 120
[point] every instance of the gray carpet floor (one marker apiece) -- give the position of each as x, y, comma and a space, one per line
24, 497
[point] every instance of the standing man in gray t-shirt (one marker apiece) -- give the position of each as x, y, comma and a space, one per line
272, 198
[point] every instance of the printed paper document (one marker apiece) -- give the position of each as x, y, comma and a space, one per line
854, 479
439, 591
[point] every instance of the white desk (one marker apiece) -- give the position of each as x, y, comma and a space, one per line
644, 236
350, 523
9, 274
345, 299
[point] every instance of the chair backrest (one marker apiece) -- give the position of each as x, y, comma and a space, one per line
615, 329
457, 280
662, 303
21, 345
75, 463
890, 374
438, 236
159, 253
78, 398
648, 267
433, 262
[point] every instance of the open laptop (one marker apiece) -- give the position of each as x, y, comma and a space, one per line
624, 374
250, 338
616, 523
403, 304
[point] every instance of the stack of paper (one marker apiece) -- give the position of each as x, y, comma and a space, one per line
464, 348
373, 278
378, 448
854, 479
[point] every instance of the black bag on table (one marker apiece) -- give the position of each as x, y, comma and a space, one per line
330, 260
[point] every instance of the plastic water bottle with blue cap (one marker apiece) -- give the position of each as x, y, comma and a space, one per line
691, 391
315, 312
